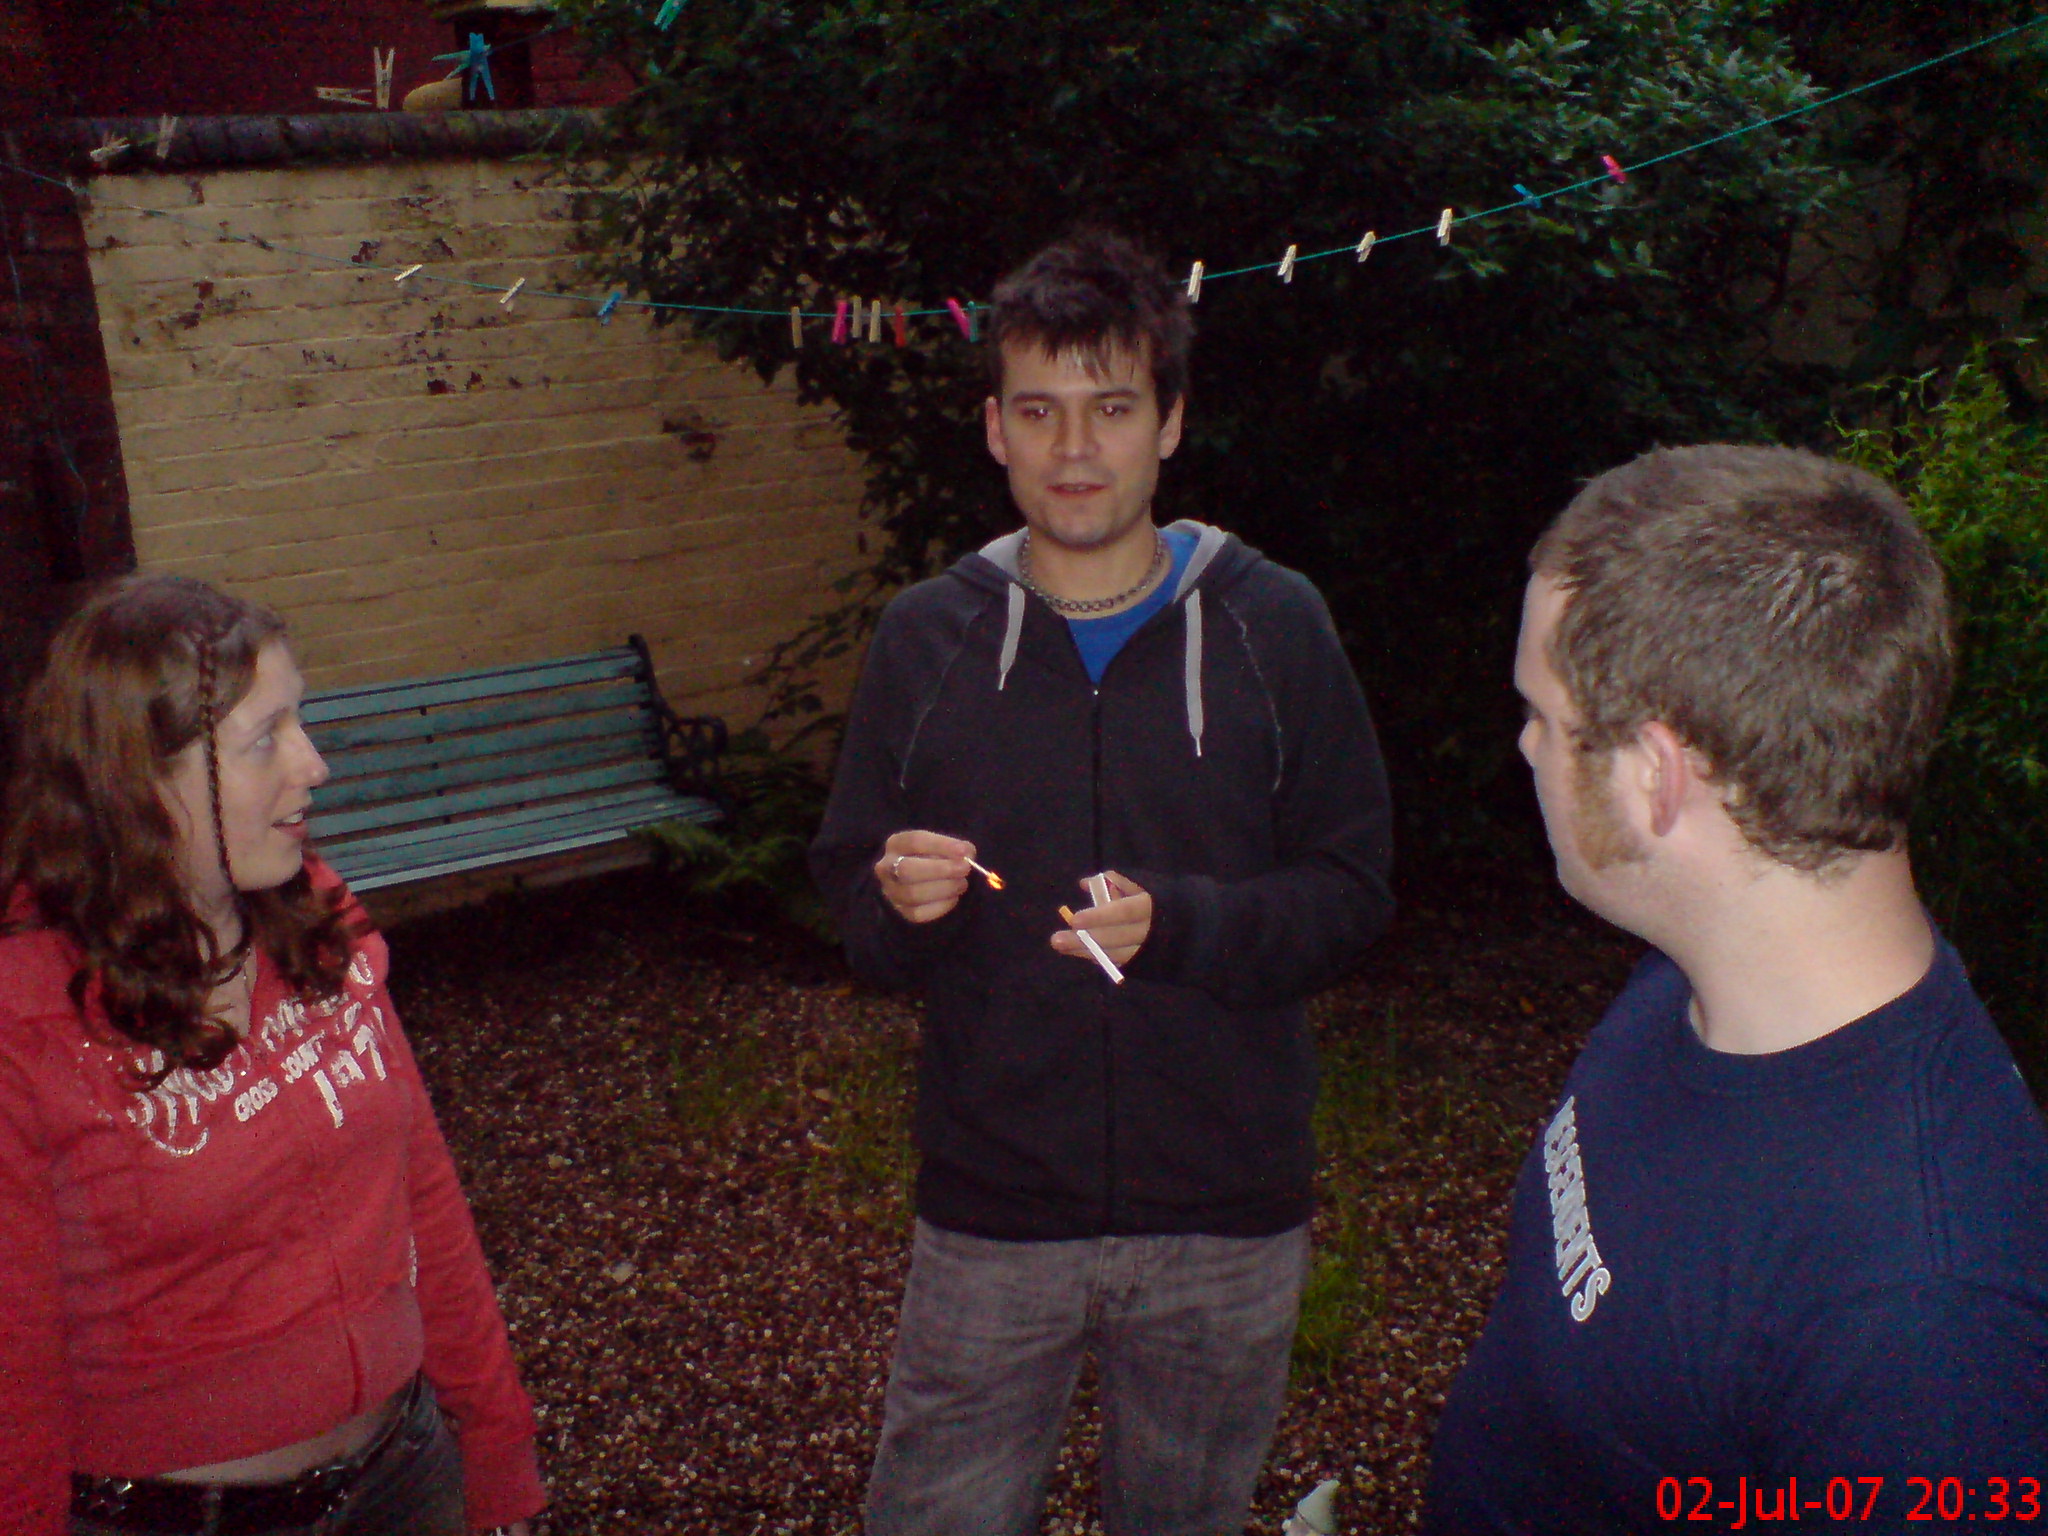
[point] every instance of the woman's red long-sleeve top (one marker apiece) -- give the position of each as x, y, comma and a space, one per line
237, 1260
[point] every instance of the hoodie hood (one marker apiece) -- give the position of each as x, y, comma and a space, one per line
1220, 557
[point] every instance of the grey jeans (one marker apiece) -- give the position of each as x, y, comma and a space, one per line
1191, 1335
413, 1489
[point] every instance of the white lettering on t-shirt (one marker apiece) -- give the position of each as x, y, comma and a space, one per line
1581, 1276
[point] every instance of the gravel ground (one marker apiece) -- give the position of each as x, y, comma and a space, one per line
681, 1139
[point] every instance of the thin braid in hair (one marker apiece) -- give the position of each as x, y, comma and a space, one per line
209, 719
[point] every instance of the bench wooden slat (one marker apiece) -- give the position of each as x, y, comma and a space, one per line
438, 807
491, 682
654, 802
417, 768
378, 730
490, 839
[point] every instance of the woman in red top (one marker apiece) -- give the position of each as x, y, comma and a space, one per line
240, 1279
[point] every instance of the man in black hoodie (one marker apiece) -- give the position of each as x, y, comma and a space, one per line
1158, 726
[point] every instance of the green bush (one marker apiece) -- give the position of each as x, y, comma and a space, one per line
755, 860
1977, 478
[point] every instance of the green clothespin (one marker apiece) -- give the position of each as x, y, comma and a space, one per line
1315, 1515
666, 16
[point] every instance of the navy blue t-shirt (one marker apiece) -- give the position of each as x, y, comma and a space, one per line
1822, 1264
1100, 639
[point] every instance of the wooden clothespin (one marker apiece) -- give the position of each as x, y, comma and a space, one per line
875, 321
505, 300
112, 147
901, 323
796, 326
1443, 226
408, 272
345, 95
1614, 170
1287, 265
1195, 284
1365, 246
839, 323
382, 64
961, 318
166, 131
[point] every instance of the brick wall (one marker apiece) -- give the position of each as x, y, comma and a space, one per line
420, 479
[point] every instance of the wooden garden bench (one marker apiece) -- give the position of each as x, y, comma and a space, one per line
440, 774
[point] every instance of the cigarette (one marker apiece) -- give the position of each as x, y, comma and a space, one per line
1088, 943
995, 881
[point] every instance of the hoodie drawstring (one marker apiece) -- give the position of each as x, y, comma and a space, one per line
1191, 667
1013, 631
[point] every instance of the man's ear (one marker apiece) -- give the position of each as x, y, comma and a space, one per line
992, 420
1169, 429
1668, 773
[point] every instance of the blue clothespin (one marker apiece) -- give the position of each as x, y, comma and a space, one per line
474, 63
604, 310
1529, 199
666, 16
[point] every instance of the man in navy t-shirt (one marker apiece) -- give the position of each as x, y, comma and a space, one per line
1782, 1252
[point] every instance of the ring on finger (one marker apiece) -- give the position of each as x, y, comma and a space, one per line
896, 866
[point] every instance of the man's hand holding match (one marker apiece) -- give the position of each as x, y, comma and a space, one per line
923, 874
1120, 925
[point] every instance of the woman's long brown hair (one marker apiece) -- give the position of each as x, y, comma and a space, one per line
146, 666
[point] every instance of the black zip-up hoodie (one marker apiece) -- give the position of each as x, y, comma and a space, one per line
1227, 765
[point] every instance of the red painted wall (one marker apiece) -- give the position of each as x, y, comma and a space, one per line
128, 58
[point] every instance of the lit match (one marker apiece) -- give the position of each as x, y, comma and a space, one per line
995, 881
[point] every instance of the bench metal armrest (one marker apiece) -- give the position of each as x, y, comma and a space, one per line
691, 745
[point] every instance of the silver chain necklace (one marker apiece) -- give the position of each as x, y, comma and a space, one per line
1088, 604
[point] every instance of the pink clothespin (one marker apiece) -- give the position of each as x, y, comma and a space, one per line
839, 323
1614, 168
901, 325
960, 318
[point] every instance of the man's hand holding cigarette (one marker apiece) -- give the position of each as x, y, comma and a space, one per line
923, 874
1120, 925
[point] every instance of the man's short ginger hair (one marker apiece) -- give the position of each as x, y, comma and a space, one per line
1095, 294
1782, 613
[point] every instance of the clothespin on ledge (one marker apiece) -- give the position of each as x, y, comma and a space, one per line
112, 147
1287, 264
345, 95
166, 131
382, 63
